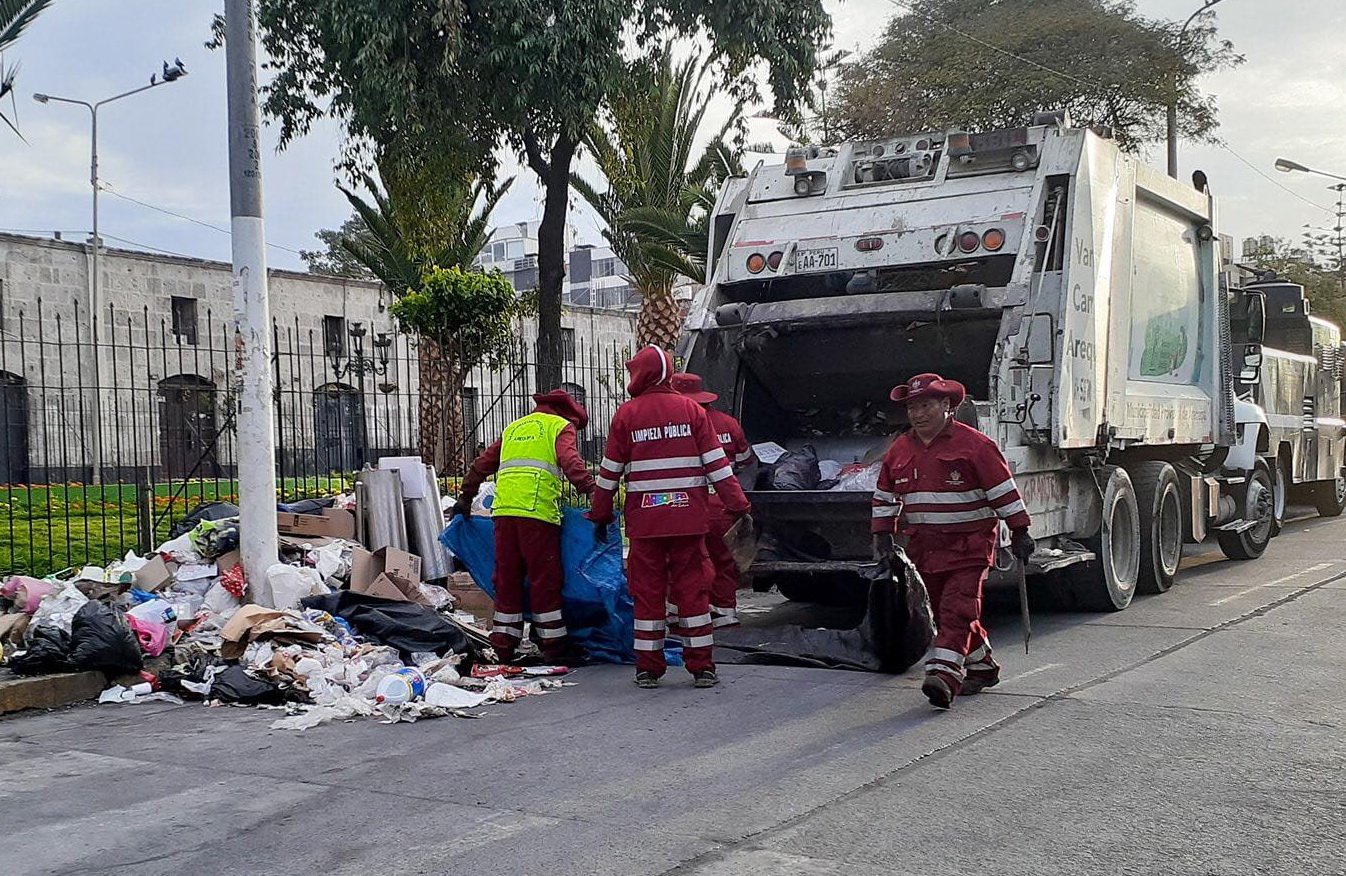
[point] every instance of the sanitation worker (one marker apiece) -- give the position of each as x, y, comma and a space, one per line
529, 461
724, 589
664, 445
944, 487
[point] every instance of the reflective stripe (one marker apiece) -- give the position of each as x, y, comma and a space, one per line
650, 644
700, 620
946, 655
605, 483
1001, 489
551, 632
698, 641
665, 462
615, 467
744, 456
945, 498
887, 511
955, 671
514, 632
713, 455
725, 620
524, 462
884, 496
546, 617
977, 655
720, 474
501, 617
649, 626
981, 666
664, 484
937, 517
1012, 508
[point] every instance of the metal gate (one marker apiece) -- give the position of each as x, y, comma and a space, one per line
187, 431
339, 428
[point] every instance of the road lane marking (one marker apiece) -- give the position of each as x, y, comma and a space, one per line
1042, 668
1242, 593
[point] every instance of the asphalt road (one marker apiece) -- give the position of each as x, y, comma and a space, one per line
1198, 732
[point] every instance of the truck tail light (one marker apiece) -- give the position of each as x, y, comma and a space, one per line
773, 260
968, 241
869, 244
756, 262
993, 240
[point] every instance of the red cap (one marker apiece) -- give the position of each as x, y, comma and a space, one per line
690, 386
563, 404
925, 385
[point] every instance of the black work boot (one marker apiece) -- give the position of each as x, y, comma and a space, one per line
647, 680
937, 690
705, 678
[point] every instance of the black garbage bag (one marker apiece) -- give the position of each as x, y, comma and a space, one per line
192, 669
233, 685
101, 639
48, 651
895, 633
406, 626
796, 470
306, 506
204, 511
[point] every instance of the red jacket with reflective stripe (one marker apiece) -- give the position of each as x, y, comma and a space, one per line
664, 445
959, 482
736, 447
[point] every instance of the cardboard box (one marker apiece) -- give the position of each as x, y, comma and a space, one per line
155, 575
225, 562
387, 573
332, 523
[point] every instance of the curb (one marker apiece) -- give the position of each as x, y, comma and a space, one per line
19, 692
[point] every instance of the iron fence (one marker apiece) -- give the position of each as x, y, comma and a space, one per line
112, 429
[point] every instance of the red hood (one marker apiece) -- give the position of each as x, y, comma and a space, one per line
650, 368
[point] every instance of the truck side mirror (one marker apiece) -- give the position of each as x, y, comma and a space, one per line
1257, 317
1252, 364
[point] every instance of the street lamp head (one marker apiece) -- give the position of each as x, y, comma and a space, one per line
1285, 165
41, 98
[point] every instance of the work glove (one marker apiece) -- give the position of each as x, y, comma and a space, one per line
885, 551
461, 508
600, 533
1021, 545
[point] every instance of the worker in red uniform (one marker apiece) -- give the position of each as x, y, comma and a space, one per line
529, 461
724, 589
945, 487
665, 447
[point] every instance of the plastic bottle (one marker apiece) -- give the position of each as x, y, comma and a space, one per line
400, 687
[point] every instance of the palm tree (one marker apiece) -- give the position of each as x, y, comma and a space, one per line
15, 16
413, 228
659, 192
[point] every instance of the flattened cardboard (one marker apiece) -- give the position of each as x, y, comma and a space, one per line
155, 575
333, 523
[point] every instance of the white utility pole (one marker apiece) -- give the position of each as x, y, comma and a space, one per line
252, 312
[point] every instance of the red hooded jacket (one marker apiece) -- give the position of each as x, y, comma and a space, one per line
668, 451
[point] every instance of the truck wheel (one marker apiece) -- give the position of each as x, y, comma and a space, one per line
1329, 497
1109, 582
1258, 505
1280, 492
1159, 502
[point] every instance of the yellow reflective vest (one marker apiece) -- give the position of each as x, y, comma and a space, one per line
529, 481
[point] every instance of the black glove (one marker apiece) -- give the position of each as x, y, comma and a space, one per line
1021, 544
600, 533
461, 508
885, 551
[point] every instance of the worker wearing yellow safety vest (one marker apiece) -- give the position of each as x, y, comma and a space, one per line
529, 462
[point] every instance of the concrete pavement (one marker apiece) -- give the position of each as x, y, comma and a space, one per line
1198, 732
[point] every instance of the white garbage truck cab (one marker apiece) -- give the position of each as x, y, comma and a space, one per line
1074, 291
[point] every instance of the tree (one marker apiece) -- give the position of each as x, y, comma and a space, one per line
457, 77
433, 225
467, 317
15, 16
1315, 269
334, 260
986, 64
654, 204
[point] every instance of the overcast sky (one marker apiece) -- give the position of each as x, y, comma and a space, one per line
167, 147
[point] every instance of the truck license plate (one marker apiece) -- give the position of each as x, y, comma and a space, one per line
816, 259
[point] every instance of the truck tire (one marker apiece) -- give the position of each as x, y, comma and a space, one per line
1259, 505
1159, 502
1280, 491
1109, 582
1329, 497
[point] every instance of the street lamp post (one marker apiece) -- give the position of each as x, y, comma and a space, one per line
1285, 165
172, 73
1173, 94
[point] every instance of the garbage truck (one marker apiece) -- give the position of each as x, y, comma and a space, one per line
1074, 290
1300, 392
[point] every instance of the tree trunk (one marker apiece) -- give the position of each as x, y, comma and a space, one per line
442, 431
660, 320
554, 173
430, 401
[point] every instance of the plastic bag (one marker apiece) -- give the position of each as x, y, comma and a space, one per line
152, 635
48, 651
207, 511
289, 584
859, 478
233, 685
100, 639
58, 607
796, 470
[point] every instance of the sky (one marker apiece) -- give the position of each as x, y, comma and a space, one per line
167, 147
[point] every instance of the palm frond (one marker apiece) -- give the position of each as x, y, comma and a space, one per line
16, 15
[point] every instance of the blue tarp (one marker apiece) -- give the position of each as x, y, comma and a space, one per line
595, 599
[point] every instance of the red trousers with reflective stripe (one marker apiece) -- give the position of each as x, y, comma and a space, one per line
724, 587
663, 571
532, 549
954, 569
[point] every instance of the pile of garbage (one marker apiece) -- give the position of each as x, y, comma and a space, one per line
802, 469
345, 624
